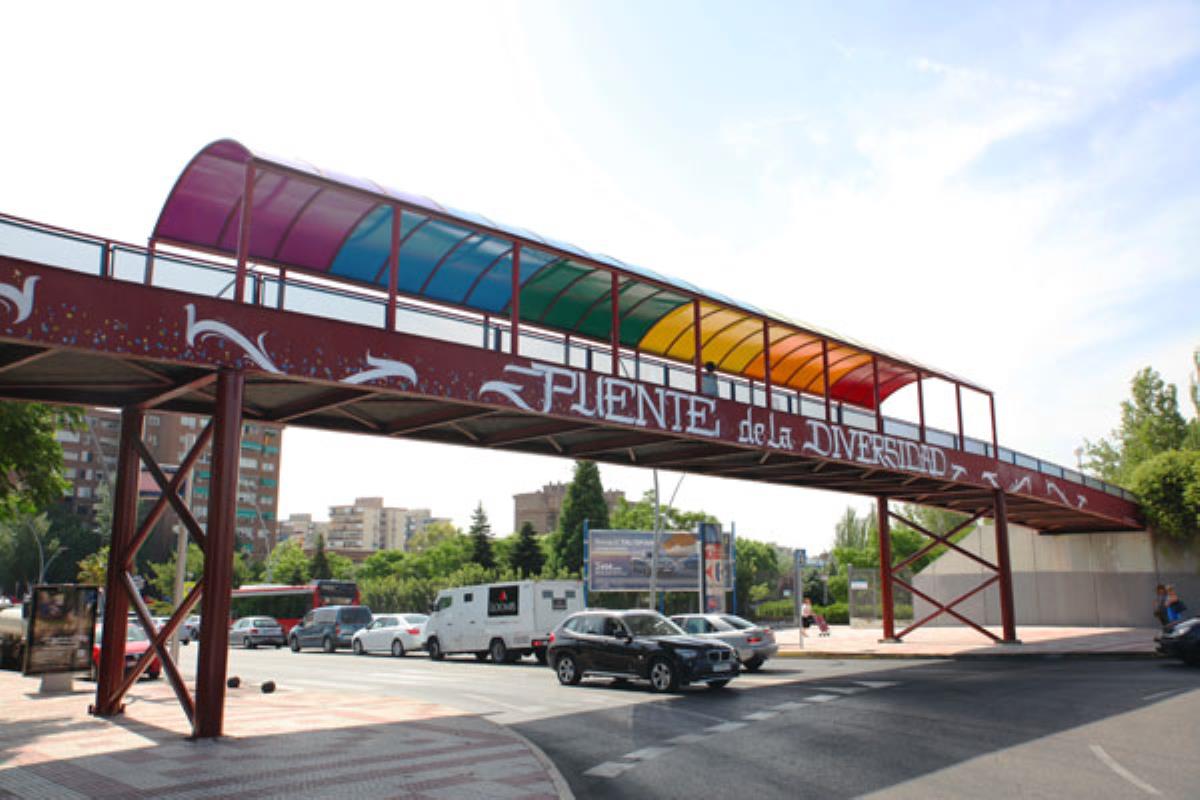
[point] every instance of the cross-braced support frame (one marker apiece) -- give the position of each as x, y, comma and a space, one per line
206, 712
1002, 570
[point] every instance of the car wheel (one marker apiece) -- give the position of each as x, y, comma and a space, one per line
327, 644
663, 676
718, 684
294, 643
754, 664
567, 670
481, 655
540, 655
397, 648
246, 643
434, 647
499, 651
358, 648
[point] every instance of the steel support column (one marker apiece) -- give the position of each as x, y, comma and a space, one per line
885, 570
218, 558
1004, 570
116, 600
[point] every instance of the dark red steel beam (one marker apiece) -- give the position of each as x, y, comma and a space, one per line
218, 561
1004, 569
311, 405
393, 267
156, 647
116, 601
243, 241
885, 569
433, 419
617, 442
24, 360
939, 539
948, 608
177, 391
538, 431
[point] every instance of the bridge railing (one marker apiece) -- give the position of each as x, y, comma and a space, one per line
275, 288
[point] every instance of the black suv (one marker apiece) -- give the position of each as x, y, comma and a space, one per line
638, 644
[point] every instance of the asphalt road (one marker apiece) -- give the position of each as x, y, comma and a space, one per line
816, 728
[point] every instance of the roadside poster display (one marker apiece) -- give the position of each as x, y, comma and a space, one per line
62, 626
620, 561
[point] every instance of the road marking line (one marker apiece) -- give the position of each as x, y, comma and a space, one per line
821, 698
687, 738
725, 727
609, 769
659, 706
647, 753
838, 689
790, 706
1160, 694
761, 715
1124, 773
877, 684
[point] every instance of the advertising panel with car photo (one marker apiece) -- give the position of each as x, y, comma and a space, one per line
620, 561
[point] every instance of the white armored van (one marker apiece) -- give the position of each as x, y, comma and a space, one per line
503, 620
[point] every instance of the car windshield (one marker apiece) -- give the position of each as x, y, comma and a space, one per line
650, 625
133, 633
736, 622
416, 619
264, 622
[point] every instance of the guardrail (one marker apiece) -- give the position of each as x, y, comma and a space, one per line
275, 288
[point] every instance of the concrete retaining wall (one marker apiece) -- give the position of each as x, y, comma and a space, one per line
1104, 579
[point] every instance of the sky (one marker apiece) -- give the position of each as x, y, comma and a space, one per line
1009, 193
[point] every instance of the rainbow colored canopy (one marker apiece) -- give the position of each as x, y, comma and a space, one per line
340, 227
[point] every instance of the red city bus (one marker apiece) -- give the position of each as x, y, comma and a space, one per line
289, 604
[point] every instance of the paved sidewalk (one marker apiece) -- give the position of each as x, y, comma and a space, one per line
963, 642
288, 744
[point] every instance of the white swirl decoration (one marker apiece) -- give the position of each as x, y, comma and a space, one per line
382, 368
207, 328
21, 300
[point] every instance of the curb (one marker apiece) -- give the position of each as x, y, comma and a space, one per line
560, 783
1014, 656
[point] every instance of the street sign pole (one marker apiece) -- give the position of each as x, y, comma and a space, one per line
800, 556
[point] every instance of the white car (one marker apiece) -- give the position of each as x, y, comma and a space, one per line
391, 633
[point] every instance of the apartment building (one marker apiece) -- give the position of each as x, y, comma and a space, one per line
367, 526
90, 460
541, 508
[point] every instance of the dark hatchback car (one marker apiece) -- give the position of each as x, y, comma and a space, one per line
641, 645
1181, 640
329, 627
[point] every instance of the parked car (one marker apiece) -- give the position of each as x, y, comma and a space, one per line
754, 644
1181, 640
503, 620
329, 627
638, 645
250, 632
136, 643
391, 633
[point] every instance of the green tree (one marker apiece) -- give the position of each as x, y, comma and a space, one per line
584, 500
93, 568
481, 539
431, 535
162, 574
1168, 484
340, 566
1150, 424
526, 557
318, 566
31, 459
287, 564
26, 547
381, 564
639, 515
757, 565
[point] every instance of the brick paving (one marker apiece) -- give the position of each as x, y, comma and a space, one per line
963, 642
289, 744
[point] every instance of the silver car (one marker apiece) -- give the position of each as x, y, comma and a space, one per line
754, 643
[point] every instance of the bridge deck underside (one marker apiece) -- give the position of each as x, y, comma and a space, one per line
73, 377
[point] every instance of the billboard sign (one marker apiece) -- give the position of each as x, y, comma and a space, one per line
620, 561
62, 625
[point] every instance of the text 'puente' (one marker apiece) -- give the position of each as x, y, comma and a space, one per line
273, 290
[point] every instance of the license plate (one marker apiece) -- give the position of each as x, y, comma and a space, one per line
724, 666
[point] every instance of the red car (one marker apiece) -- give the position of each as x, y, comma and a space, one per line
136, 643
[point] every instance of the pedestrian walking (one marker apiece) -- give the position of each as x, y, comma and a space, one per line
1160, 604
806, 615
1175, 606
